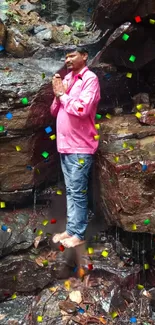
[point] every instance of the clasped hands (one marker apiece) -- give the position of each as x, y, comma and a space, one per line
58, 85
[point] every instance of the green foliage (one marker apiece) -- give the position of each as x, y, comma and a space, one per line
79, 25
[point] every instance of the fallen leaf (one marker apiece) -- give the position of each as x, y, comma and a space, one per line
75, 296
37, 241
39, 261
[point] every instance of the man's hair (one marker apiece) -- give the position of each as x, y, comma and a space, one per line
80, 49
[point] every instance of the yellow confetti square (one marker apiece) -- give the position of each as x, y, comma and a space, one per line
125, 145
59, 192
116, 159
45, 222
134, 227
2, 205
39, 319
105, 254
140, 286
84, 191
138, 115
14, 278
37, 171
81, 161
14, 296
152, 21
139, 106
18, 148
129, 75
96, 137
39, 232
131, 147
53, 137
97, 126
146, 266
90, 250
108, 116
114, 314
45, 262
67, 285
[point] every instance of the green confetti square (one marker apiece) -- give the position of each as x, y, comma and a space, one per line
45, 154
1, 128
125, 37
132, 58
98, 116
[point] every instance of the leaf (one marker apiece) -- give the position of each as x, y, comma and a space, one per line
37, 241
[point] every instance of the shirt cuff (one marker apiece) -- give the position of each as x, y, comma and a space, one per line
63, 99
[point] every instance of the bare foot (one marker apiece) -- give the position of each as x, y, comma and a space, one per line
58, 237
72, 242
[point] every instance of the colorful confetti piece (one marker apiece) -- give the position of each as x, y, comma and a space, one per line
139, 106
1, 128
2, 205
140, 286
138, 115
39, 319
96, 137
97, 126
90, 250
114, 314
147, 222
45, 222
90, 267
98, 116
18, 148
39, 232
108, 116
45, 262
146, 266
53, 221
24, 101
134, 227
4, 227
9, 116
45, 154
53, 137
62, 248
48, 129
67, 285
104, 253
132, 58
14, 296
125, 37
138, 19
129, 75
59, 192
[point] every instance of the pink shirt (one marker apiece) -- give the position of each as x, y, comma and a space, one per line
75, 111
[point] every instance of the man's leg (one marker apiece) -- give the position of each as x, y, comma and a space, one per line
65, 166
79, 168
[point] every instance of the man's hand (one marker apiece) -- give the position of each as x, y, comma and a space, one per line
58, 84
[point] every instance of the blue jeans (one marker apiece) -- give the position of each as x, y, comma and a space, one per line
76, 169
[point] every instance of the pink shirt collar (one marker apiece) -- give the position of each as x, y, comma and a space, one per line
80, 74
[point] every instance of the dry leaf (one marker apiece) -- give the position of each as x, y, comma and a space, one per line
75, 296
39, 261
37, 241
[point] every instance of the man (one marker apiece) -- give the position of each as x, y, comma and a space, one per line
75, 105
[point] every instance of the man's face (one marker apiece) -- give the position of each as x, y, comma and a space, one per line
75, 60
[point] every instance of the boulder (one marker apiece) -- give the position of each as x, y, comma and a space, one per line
2, 33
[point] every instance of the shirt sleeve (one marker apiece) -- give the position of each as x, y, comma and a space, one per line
89, 97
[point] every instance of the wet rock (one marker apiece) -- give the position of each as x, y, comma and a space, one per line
127, 194
113, 11
148, 117
16, 45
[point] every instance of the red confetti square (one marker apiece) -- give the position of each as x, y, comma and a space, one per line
62, 248
80, 109
138, 19
90, 267
53, 221
6, 294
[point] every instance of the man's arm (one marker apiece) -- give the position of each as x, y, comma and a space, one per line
89, 96
54, 108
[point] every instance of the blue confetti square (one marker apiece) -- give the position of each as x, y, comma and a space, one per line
81, 310
29, 167
48, 129
144, 168
9, 116
2, 48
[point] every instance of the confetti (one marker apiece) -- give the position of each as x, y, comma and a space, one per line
104, 253
125, 37
90, 267
102, 320
140, 286
138, 115
133, 320
53, 137
39, 319
59, 192
4, 227
129, 75
116, 159
14, 296
84, 191
75, 269
1, 128
45, 262
2, 205
48, 129
152, 21
90, 250
67, 285
14, 278
134, 227
81, 310
138, 19
114, 314
39, 232
146, 266
125, 145
81, 161
18, 148
2, 48
37, 171
43, 75
53, 221
81, 272
147, 222
29, 167
97, 126
80, 109
45, 154
24, 101
9, 116
108, 116
87, 307
96, 137
139, 106
131, 147
62, 248
144, 168
98, 116
132, 58
45, 222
